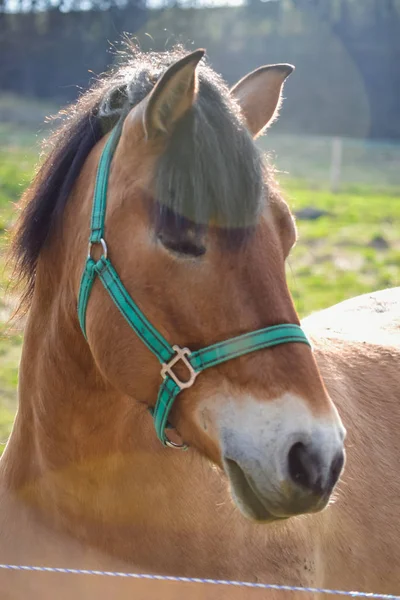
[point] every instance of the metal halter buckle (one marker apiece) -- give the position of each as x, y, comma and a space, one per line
180, 354
103, 244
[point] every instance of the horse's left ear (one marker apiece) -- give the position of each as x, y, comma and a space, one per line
172, 96
259, 94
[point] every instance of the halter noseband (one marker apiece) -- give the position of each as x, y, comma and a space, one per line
168, 355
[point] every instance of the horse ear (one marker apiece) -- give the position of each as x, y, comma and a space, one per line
260, 94
172, 96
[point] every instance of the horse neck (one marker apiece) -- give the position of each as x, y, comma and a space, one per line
85, 460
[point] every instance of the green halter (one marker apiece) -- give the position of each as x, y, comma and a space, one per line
168, 355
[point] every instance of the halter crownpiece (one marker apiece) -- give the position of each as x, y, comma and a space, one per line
169, 356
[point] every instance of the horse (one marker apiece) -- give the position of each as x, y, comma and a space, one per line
155, 232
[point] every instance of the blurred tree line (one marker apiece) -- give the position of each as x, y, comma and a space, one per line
347, 52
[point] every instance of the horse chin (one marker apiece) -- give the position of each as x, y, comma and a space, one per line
256, 508
246, 497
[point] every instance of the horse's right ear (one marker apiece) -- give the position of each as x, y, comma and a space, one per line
172, 96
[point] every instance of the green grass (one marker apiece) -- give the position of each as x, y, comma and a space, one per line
10, 350
332, 261
17, 159
334, 258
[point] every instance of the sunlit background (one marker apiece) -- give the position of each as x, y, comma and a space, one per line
336, 146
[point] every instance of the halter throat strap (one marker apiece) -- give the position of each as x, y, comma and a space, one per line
167, 354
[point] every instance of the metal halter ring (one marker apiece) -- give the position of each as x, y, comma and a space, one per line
103, 245
175, 446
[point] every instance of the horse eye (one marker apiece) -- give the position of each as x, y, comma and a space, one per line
184, 247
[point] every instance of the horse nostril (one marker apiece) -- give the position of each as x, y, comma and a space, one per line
336, 469
306, 469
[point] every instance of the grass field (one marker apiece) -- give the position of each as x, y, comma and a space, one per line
353, 249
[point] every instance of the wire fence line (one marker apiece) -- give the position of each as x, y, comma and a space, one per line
336, 163
177, 579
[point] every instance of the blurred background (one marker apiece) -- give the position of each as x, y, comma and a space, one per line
336, 146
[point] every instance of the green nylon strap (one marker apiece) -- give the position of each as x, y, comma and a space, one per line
87, 281
195, 361
128, 308
132, 313
166, 398
100, 190
248, 342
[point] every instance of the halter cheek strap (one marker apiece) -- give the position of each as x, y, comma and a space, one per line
168, 356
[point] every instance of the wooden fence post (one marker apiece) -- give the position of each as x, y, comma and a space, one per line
336, 163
